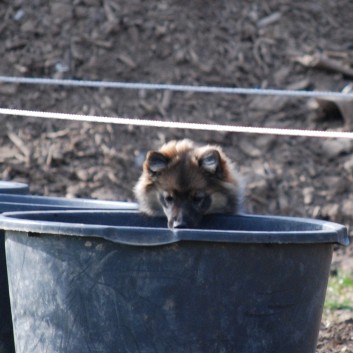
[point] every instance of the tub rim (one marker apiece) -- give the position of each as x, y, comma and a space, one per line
153, 236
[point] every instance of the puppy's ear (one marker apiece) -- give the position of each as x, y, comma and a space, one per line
210, 161
156, 162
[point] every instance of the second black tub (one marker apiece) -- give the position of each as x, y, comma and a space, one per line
17, 202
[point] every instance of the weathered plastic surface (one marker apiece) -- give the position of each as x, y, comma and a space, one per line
119, 282
11, 187
17, 202
6, 335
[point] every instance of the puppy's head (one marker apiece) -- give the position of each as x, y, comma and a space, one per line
186, 182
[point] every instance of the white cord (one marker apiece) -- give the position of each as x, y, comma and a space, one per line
178, 125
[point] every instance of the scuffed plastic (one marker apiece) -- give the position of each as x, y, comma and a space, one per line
83, 287
6, 334
12, 200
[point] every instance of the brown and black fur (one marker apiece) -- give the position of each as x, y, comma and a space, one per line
185, 182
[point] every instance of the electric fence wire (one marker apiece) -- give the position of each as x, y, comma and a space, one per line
174, 124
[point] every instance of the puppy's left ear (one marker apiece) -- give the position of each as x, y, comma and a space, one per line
156, 162
210, 161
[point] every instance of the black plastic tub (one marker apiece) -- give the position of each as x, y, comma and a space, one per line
6, 335
12, 187
12, 202
115, 281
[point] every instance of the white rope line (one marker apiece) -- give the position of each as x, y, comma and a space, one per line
172, 87
178, 125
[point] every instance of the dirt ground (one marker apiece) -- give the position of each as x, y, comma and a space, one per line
268, 44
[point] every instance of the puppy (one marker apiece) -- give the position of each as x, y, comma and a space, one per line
185, 182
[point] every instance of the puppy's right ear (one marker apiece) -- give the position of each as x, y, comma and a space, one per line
156, 162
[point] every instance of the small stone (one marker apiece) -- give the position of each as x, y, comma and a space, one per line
348, 165
61, 12
330, 211
336, 147
347, 208
249, 149
308, 194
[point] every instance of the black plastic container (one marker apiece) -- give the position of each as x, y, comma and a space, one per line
6, 335
120, 282
12, 202
12, 187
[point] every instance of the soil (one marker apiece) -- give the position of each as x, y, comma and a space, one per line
251, 44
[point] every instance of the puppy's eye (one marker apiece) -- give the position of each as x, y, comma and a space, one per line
198, 198
168, 198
